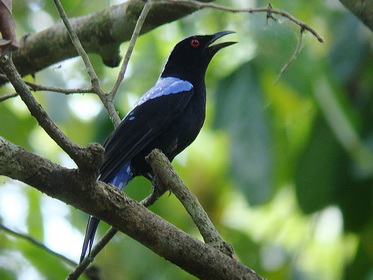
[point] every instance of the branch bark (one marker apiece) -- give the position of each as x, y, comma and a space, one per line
169, 179
86, 158
114, 207
100, 33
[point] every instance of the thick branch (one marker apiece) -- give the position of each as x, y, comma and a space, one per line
100, 33
114, 207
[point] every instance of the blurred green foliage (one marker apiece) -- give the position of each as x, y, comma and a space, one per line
284, 168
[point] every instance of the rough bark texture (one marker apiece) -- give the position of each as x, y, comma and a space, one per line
169, 179
114, 207
363, 9
100, 33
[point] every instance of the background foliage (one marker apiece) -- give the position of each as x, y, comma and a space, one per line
284, 169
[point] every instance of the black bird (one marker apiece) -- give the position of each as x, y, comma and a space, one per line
169, 117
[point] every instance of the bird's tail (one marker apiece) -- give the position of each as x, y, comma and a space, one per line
89, 236
121, 178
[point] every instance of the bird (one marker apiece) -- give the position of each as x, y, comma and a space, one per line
169, 116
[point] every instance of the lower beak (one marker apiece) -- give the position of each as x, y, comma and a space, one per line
214, 48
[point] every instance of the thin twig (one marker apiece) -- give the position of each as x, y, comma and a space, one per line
8, 96
106, 100
210, 237
77, 153
78, 46
293, 58
269, 14
151, 198
135, 35
37, 87
37, 244
80, 268
268, 10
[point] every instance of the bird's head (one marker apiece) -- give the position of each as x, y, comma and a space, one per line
191, 56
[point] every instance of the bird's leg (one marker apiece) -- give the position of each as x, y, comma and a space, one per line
157, 191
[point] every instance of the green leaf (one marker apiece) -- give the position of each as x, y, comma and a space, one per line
240, 110
361, 266
15, 127
350, 39
325, 175
318, 169
49, 266
6, 274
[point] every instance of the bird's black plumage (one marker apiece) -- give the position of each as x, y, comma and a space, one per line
168, 117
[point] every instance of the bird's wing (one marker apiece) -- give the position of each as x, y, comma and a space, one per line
152, 114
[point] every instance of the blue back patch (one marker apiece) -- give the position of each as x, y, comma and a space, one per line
165, 86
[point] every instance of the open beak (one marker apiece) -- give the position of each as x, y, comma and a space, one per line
214, 48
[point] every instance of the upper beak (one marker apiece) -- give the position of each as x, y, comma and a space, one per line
214, 48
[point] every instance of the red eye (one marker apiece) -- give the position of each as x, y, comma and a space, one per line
194, 43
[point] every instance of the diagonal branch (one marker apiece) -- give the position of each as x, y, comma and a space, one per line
37, 244
136, 33
269, 10
100, 33
42, 246
169, 179
114, 207
293, 57
82, 267
86, 158
95, 82
78, 46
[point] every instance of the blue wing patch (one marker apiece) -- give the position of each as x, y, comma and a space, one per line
165, 86
122, 177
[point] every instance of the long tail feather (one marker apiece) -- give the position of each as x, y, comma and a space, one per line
89, 236
120, 180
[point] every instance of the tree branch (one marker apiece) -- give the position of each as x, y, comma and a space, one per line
78, 187
82, 267
79, 48
103, 32
100, 33
95, 82
136, 33
37, 244
114, 207
86, 158
269, 10
168, 178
